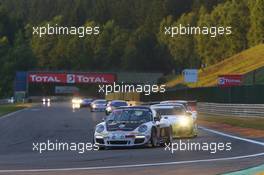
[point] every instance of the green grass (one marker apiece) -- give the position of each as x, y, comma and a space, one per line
5, 109
242, 63
254, 123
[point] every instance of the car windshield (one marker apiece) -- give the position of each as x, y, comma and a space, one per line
87, 100
100, 102
130, 116
119, 103
170, 111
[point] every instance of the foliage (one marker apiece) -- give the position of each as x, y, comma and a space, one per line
131, 35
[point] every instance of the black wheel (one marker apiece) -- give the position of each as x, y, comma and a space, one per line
154, 138
102, 148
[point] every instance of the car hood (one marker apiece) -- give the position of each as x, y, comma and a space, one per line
122, 126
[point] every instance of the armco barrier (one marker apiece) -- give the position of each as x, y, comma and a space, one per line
235, 95
240, 110
3, 101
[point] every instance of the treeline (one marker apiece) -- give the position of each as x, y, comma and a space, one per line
131, 34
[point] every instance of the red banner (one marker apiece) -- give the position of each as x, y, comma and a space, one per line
72, 78
230, 80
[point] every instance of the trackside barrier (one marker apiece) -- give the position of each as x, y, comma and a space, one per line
3, 101
239, 110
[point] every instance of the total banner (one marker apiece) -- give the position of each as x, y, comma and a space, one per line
72, 78
229, 80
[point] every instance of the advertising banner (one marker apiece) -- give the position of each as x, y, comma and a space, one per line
72, 78
190, 75
229, 80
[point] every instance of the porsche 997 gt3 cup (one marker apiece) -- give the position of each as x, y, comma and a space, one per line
176, 117
128, 126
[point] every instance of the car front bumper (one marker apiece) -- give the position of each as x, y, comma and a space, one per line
183, 131
124, 139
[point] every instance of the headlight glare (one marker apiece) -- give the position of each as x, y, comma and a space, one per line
184, 121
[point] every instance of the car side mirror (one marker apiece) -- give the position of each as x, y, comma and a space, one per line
157, 117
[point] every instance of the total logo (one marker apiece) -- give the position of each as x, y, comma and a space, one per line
223, 81
70, 78
36, 78
73, 78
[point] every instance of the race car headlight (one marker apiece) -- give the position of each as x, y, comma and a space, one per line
99, 128
93, 105
108, 108
184, 121
142, 128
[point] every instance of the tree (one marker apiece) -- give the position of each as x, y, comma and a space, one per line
256, 30
181, 47
230, 14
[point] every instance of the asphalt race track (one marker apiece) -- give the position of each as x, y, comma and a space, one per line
59, 122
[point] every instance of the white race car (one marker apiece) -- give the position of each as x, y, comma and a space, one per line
177, 118
98, 105
190, 106
129, 126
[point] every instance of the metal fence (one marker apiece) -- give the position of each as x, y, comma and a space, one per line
4, 101
240, 110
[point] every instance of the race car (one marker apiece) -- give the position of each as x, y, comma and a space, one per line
176, 117
111, 105
86, 102
130, 126
98, 105
190, 106
76, 102
45, 100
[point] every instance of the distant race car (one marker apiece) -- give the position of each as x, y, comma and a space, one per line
111, 105
177, 118
98, 105
86, 102
76, 102
129, 126
45, 100
190, 106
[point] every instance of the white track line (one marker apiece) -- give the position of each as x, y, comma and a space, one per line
233, 137
154, 164
12, 113
135, 165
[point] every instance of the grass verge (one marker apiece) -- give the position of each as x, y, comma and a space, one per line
243, 122
5, 109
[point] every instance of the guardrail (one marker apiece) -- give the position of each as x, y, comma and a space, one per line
4, 101
239, 110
